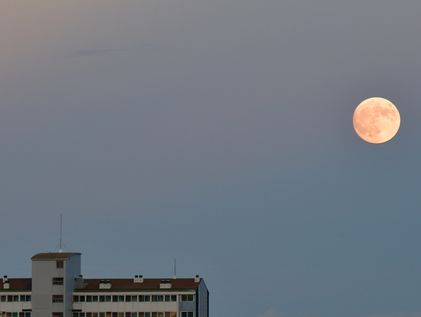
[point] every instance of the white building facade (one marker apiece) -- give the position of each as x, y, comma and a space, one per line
58, 289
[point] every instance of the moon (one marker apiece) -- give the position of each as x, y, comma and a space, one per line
376, 120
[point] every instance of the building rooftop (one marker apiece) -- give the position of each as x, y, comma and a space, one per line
130, 285
117, 284
17, 284
53, 256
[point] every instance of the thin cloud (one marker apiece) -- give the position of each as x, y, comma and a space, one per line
95, 52
400, 314
272, 313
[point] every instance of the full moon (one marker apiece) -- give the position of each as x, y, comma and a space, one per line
376, 120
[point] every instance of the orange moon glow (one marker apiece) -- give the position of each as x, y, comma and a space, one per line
376, 120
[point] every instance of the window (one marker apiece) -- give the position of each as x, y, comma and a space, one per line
173, 298
157, 298
57, 298
57, 315
131, 298
89, 299
58, 281
3, 298
186, 298
75, 300
108, 299
82, 299
28, 298
59, 265
187, 314
102, 298
95, 299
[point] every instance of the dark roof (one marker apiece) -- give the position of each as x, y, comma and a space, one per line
53, 256
17, 284
91, 285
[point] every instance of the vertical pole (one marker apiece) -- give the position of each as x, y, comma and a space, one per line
61, 233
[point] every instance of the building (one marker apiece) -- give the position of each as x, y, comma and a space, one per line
58, 289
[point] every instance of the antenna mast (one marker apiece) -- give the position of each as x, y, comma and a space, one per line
61, 234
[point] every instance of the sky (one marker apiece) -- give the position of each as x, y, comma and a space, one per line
218, 133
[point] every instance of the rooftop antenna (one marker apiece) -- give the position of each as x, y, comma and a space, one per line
61, 234
175, 268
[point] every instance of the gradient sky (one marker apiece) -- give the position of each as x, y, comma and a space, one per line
220, 133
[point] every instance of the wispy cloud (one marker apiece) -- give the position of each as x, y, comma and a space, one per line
95, 52
399, 314
272, 313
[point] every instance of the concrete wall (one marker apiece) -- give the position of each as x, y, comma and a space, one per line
72, 269
14, 306
203, 300
188, 306
43, 289
124, 306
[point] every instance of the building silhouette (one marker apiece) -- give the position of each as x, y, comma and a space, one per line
57, 289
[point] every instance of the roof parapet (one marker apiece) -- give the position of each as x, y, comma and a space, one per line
6, 284
138, 279
165, 284
105, 284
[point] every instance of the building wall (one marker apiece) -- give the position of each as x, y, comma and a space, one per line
188, 306
135, 306
43, 289
18, 306
72, 269
203, 300
126, 307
